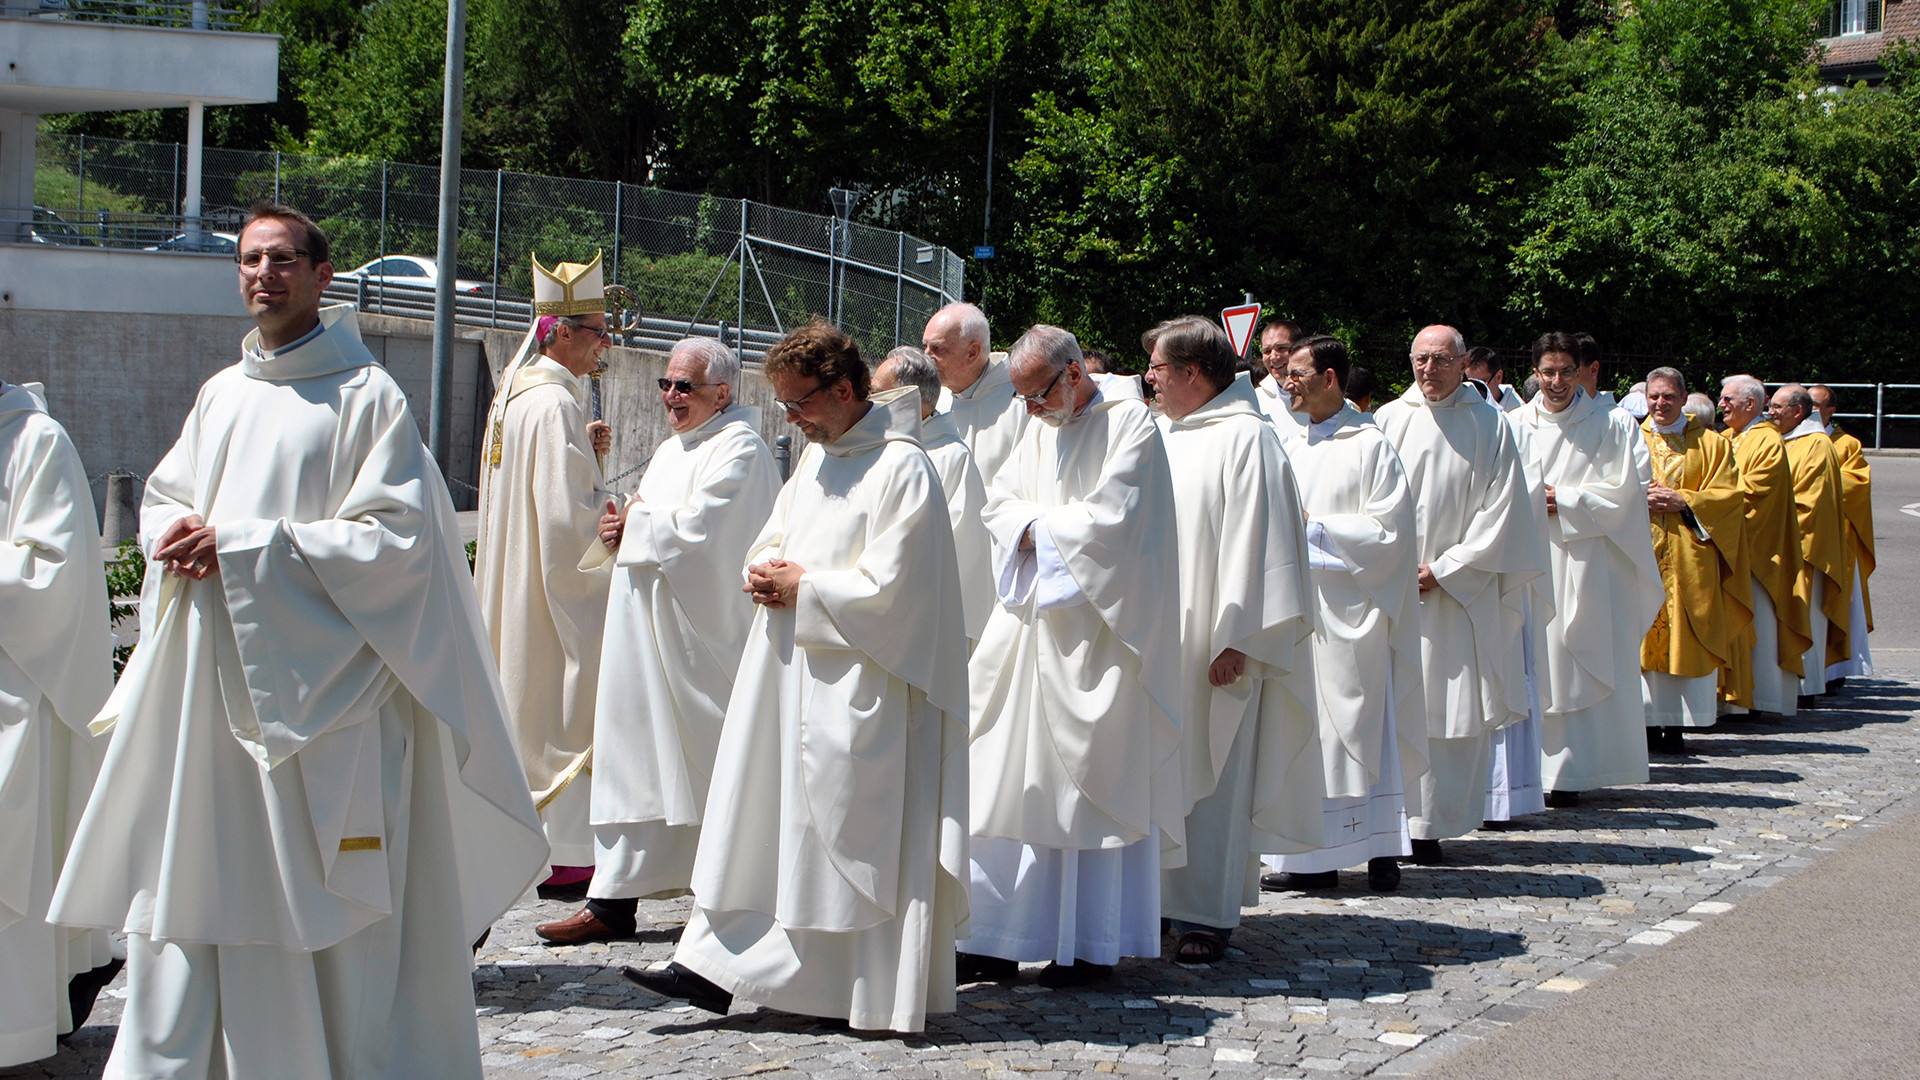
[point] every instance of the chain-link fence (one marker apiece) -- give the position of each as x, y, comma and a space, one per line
719, 265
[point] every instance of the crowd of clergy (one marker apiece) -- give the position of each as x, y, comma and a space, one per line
1027, 662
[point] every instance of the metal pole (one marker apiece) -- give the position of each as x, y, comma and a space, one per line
447, 259
497, 187
383, 236
1879, 410
276, 176
783, 455
616, 232
176, 176
196, 149
80, 177
740, 292
899, 283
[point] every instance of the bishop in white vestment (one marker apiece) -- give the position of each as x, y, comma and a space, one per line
1607, 586
541, 497
966, 491
830, 878
1479, 552
1251, 741
1077, 801
676, 626
311, 806
1361, 529
56, 667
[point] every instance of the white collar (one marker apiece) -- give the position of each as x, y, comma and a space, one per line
1810, 426
1674, 428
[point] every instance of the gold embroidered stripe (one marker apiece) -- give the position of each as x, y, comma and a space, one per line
360, 843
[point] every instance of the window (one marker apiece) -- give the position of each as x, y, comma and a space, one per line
1845, 17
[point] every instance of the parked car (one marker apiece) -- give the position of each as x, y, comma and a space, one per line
409, 270
224, 243
50, 228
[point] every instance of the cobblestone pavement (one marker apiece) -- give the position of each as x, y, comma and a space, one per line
1344, 983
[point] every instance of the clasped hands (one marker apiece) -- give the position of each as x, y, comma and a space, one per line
1662, 499
773, 583
187, 548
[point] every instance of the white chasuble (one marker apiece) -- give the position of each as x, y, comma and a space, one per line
966, 492
1514, 787
310, 750
831, 874
1607, 590
988, 415
1244, 585
1077, 688
676, 625
56, 668
1480, 540
540, 507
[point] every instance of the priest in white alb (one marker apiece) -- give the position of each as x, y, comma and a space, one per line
1277, 337
965, 489
1077, 802
1480, 550
1251, 740
979, 391
1514, 788
676, 625
1767, 679
831, 876
1361, 529
541, 498
311, 806
1606, 583
56, 667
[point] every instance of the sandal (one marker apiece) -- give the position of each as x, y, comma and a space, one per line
1200, 947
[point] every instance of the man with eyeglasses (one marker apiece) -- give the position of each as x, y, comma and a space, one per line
1826, 578
832, 861
1361, 530
1077, 691
1480, 549
1606, 583
675, 630
980, 395
1768, 679
56, 668
1277, 337
1856, 506
311, 806
541, 498
1250, 739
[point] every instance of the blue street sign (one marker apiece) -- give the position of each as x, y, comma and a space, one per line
983, 252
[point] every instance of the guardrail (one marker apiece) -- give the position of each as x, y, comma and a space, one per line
126, 230
631, 328
199, 15
1879, 415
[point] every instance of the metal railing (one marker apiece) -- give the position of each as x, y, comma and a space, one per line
198, 15
1879, 415
694, 261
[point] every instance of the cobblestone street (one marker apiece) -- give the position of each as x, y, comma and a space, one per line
1317, 985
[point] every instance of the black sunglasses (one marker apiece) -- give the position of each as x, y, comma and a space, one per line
681, 385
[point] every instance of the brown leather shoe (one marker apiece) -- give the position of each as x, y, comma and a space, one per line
582, 927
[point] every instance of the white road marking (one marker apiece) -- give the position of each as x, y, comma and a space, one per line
1912, 509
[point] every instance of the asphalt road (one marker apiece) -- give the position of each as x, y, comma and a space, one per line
1814, 978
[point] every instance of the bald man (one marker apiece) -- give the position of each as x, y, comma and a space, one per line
979, 390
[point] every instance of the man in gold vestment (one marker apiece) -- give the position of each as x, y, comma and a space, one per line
1767, 678
1698, 516
1826, 583
1856, 505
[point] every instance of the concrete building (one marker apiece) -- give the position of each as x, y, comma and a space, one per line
1855, 33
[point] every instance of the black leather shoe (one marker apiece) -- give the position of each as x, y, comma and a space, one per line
1427, 853
1275, 881
1563, 799
675, 981
84, 989
976, 967
1383, 874
1078, 973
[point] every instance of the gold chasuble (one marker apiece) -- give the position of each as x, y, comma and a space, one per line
1773, 554
1823, 533
1708, 608
1856, 505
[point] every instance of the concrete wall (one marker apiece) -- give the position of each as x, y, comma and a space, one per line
65, 65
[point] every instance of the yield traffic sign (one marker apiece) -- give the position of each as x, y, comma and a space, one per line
1239, 323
